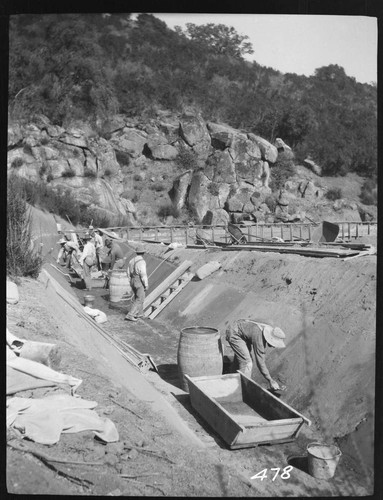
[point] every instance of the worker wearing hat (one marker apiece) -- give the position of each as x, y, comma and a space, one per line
138, 282
67, 248
88, 259
245, 334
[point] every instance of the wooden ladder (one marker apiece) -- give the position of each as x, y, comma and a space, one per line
168, 295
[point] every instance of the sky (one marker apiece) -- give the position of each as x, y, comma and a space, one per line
300, 43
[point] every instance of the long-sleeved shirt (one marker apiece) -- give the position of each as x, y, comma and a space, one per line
137, 269
69, 246
89, 251
252, 333
98, 243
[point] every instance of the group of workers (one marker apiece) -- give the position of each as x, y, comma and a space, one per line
243, 335
108, 253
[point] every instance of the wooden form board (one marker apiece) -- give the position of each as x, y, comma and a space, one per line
155, 294
312, 252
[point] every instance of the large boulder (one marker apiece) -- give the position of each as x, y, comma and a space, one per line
194, 132
192, 129
220, 167
179, 190
281, 145
268, 151
238, 199
216, 217
221, 135
169, 125
128, 140
199, 199
164, 152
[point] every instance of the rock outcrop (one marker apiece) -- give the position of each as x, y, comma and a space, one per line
215, 171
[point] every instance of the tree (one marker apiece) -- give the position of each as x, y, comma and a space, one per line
218, 38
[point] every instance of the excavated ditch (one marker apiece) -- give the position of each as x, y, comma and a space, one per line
326, 308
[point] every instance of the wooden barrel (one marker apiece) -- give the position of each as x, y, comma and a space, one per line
119, 286
199, 353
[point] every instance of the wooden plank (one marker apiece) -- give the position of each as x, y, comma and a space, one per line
271, 396
214, 414
313, 252
166, 283
171, 296
269, 433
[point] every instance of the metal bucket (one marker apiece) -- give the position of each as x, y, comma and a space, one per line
323, 460
89, 300
200, 352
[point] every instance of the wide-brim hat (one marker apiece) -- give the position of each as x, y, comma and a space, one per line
140, 248
274, 337
60, 242
87, 236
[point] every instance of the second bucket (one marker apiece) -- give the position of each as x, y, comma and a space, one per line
323, 460
199, 353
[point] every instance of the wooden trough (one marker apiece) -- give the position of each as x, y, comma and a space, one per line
242, 412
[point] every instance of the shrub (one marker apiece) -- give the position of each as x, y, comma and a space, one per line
157, 186
123, 158
334, 194
44, 141
214, 188
369, 192
281, 172
22, 259
17, 162
27, 149
137, 177
135, 197
89, 173
43, 169
186, 160
167, 210
49, 177
68, 173
107, 172
271, 202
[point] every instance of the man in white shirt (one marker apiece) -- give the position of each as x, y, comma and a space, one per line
138, 282
99, 245
88, 259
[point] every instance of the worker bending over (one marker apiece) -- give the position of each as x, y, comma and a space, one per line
245, 334
138, 282
115, 254
88, 259
66, 250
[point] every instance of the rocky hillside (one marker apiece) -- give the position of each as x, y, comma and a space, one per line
176, 165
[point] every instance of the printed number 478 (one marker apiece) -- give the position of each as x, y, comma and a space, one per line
263, 473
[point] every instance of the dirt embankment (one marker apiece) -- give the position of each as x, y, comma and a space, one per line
327, 308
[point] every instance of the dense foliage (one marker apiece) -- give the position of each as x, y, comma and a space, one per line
91, 66
22, 258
